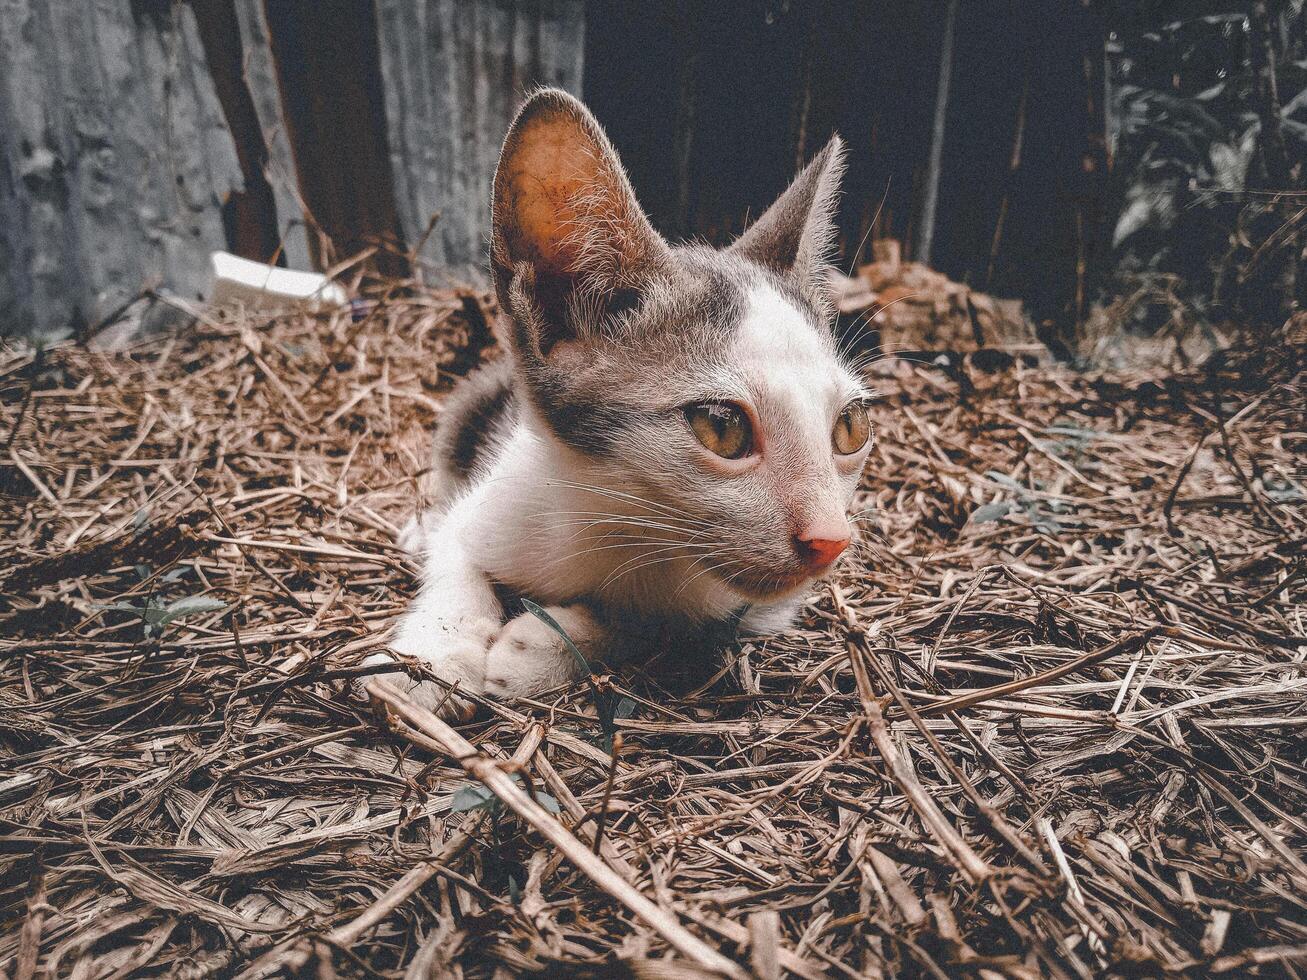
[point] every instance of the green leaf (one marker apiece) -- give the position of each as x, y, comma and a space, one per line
193, 604
604, 705
1004, 480
1041, 521
196, 604
1075, 431
477, 796
156, 615
1285, 494
473, 796
988, 513
552, 623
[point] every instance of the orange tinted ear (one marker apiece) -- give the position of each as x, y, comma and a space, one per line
564, 208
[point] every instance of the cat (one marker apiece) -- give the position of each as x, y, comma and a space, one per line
671, 443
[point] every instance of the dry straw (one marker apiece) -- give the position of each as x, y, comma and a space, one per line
1049, 720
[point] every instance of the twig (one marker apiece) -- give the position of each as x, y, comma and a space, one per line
498, 782
400, 891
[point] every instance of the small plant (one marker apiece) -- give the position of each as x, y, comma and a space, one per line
156, 615
1039, 513
475, 796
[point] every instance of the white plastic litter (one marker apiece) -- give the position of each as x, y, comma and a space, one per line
258, 286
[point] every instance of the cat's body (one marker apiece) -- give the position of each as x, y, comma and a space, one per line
670, 445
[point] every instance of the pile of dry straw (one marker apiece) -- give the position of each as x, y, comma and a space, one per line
1049, 721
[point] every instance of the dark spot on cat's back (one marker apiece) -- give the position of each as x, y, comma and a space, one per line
481, 409
475, 426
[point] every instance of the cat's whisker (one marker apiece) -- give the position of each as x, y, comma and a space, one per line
642, 560
611, 522
859, 328
729, 560
613, 577
604, 513
881, 354
621, 522
693, 578
600, 517
622, 495
648, 545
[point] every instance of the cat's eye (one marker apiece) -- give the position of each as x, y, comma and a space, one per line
723, 428
852, 429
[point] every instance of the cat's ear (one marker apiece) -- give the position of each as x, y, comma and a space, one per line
569, 243
795, 235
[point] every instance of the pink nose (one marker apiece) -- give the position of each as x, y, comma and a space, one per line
819, 553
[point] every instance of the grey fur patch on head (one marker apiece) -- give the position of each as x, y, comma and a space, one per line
639, 367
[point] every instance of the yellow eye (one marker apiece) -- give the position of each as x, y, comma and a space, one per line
723, 428
852, 429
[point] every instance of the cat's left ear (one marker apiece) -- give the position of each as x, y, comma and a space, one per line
569, 243
795, 235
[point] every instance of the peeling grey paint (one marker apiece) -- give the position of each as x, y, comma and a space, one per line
114, 160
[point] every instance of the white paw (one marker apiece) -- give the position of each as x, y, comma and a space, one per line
529, 657
457, 657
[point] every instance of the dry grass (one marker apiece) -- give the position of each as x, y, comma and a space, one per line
1065, 740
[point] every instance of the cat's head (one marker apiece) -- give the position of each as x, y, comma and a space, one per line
700, 392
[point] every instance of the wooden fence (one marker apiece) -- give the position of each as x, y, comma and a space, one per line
136, 136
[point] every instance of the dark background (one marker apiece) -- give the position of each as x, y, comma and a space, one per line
1137, 158
714, 106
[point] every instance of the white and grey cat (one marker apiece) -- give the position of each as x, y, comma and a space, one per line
671, 444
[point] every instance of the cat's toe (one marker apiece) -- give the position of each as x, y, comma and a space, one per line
529, 657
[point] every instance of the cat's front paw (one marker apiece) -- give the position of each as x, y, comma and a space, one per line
457, 658
529, 657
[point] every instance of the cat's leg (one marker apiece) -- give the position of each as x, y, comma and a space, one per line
529, 657
453, 619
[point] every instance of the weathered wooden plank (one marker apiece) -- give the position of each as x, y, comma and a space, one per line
454, 73
260, 74
115, 155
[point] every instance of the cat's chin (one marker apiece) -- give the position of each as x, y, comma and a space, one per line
775, 587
